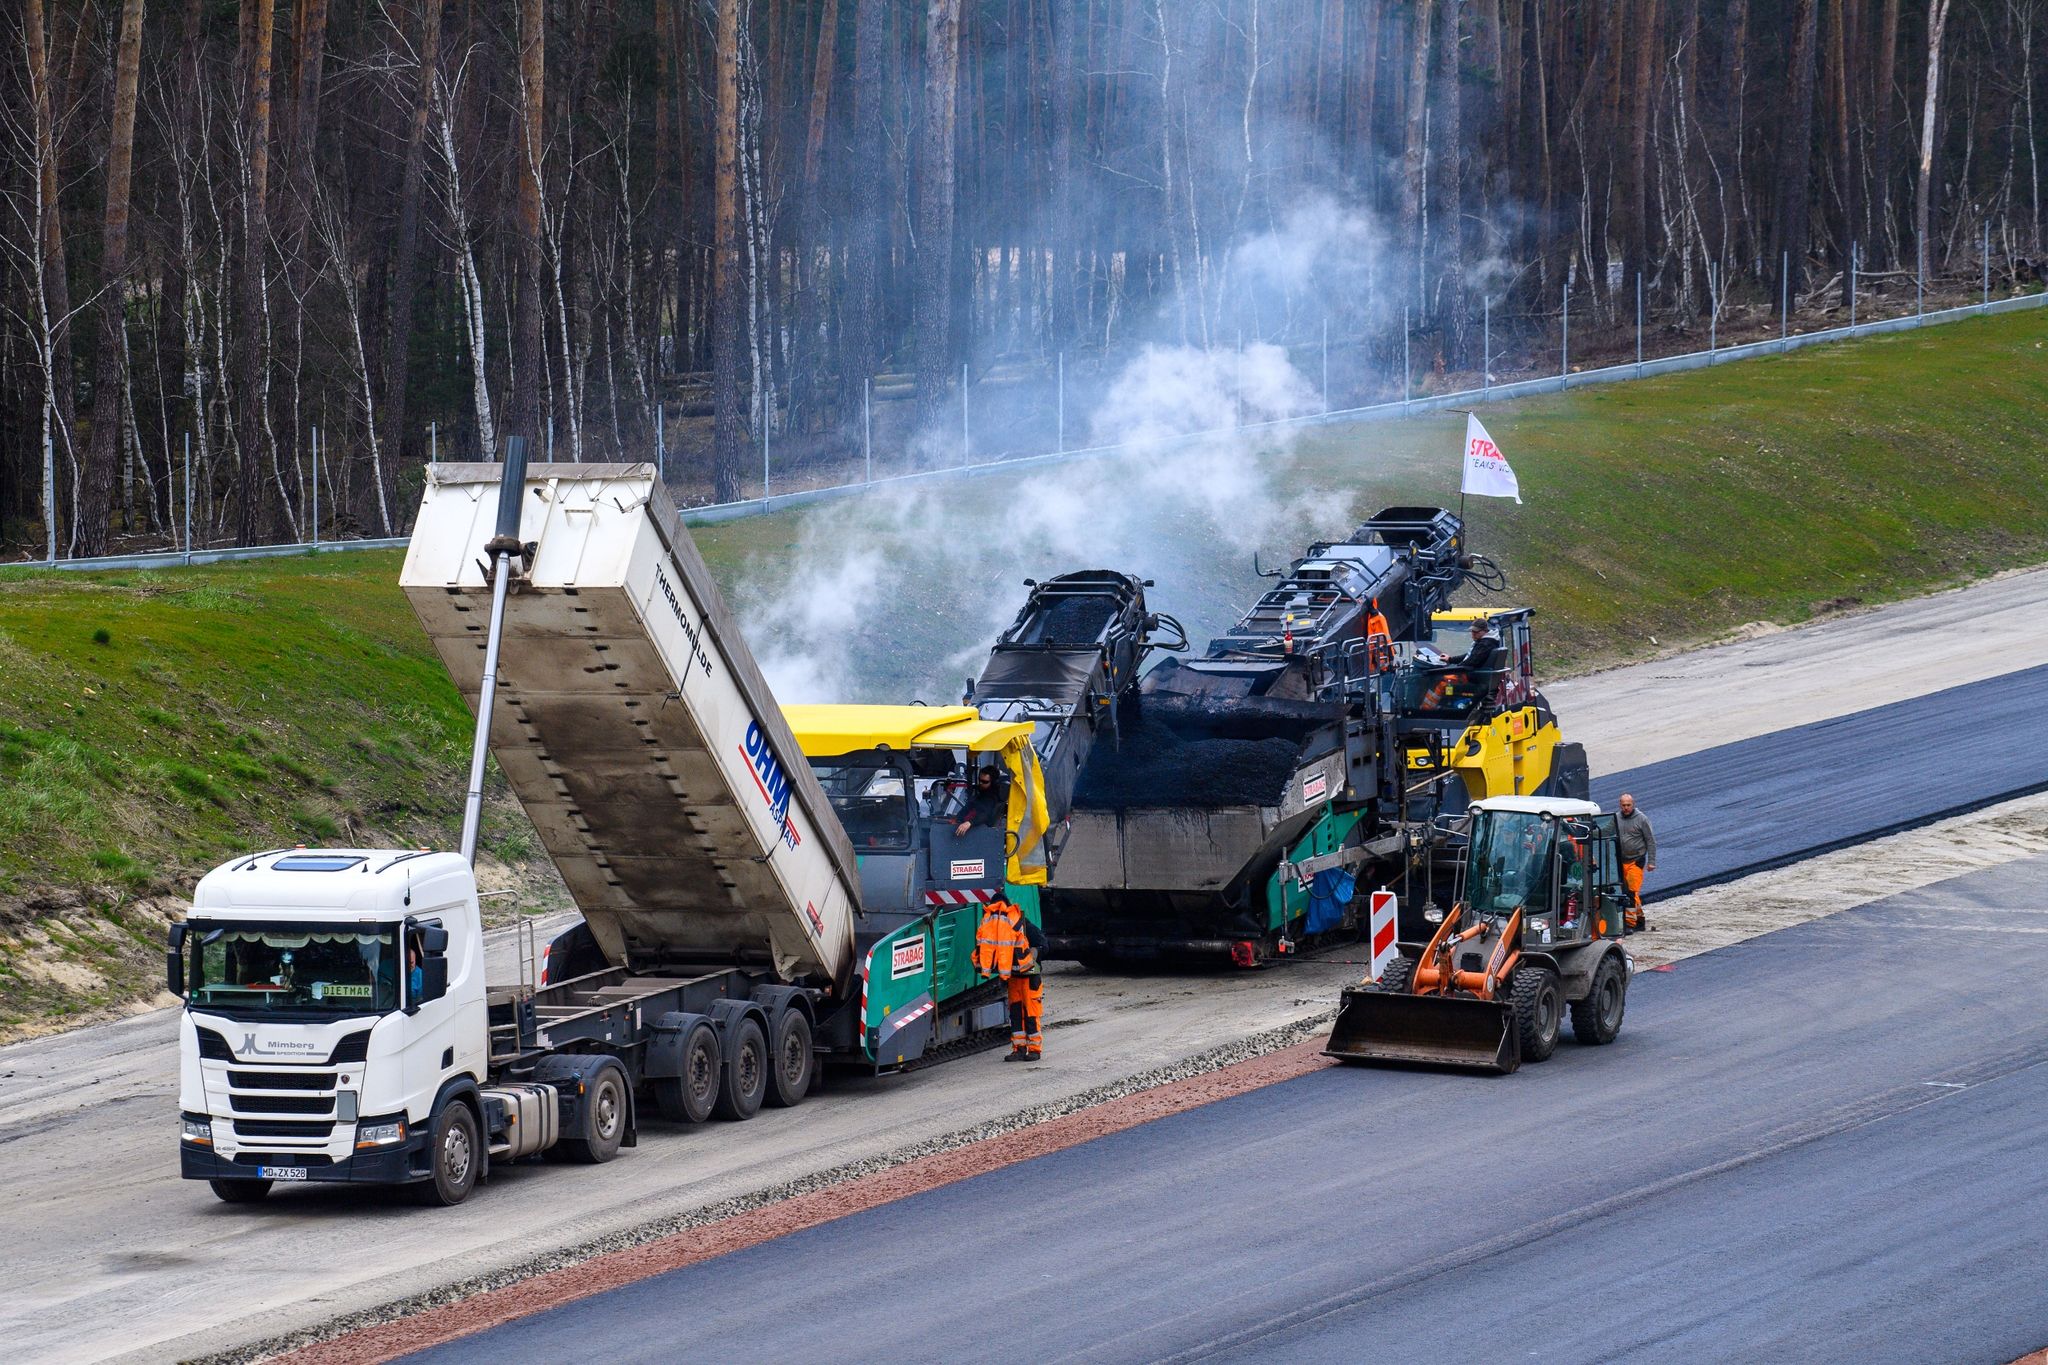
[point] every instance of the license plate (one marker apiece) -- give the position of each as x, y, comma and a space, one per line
282, 1172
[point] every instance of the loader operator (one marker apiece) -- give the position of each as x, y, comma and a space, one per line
1638, 855
1007, 946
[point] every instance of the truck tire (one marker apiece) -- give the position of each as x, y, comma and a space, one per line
604, 1113
1539, 1010
1394, 980
455, 1154
1596, 1020
239, 1191
573, 953
743, 1079
688, 1098
792, 1061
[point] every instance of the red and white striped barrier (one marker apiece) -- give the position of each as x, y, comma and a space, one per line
1384, 904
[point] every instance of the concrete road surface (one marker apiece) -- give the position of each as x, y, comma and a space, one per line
1820, 1145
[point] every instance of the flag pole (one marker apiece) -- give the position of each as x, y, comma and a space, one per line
1462, 412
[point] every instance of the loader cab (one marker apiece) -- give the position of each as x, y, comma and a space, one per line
1553, 859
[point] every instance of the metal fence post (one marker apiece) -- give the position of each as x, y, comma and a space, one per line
1407, 373
50, 495
1784, 300
660, 443
1639, 324
188, 497
1060, 404
966, 431
1485, 345
1326, 364
1987, 263
433, 442
1920, 279
767, 444
1855, 260
1564, 345
316, 488
1713, 309
867, 424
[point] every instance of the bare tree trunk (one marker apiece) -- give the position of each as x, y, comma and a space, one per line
1414, 168
456, 201
252, 356
405, 250
44, 266
110, 373
1885, 224
1795, 159
860, 328
529, 363
1937, 23
932, 304
1449, 198
1846, 167
727, 321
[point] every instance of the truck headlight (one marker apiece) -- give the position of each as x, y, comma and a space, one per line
197, 1130
380, 1133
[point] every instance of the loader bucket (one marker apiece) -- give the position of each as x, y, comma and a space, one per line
1425, 1030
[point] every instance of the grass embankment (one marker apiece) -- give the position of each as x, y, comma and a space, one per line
153, 723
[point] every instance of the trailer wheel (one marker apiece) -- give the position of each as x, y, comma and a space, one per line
604, 1119
793, 1063
1539, 1012
743, 1080
456, 1155
239, 1191
688, 1098
1597, 1019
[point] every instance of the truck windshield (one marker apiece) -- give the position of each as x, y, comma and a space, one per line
1510, 861
292, 969
872, 801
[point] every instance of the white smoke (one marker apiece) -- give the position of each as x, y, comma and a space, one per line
899, 593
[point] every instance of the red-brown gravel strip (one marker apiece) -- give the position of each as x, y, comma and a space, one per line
387, 1341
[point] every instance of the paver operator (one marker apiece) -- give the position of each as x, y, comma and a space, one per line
1638, 856
984, 804
1007, 945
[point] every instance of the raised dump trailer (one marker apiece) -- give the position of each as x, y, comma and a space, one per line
338, 1026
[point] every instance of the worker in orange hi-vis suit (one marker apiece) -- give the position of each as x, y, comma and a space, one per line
1638, 856
1006, 945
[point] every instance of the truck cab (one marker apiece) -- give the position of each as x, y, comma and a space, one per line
334, 1002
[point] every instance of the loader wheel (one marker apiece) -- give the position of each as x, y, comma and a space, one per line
1539, 1012
1597, 1018
1394, 980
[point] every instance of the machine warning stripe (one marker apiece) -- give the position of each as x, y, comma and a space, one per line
551, 1289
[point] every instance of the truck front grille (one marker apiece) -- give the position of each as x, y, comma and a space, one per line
281, 1080
283, 1128
282, 1104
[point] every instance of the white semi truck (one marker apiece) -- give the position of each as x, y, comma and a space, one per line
338, 1025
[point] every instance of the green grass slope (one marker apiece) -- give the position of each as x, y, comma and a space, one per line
154, 723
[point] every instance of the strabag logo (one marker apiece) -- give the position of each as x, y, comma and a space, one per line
1313, 787
968, 869
906, 958
770, 780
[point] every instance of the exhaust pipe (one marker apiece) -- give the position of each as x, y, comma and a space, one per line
501, 547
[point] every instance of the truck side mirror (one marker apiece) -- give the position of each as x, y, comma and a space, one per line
174, 961
434, 939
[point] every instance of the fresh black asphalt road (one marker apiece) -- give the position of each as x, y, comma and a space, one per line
1822, 1144
1761, 802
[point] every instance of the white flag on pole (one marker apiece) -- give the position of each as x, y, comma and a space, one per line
1486, 469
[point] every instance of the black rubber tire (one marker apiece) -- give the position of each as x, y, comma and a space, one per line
743, 1079
1539, 1010
688, 1098
1394, 980
456, 1152
606, 1109
240, 1191
1596, 1020
573, 953
792, 1061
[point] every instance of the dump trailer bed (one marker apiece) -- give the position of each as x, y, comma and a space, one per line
635, 728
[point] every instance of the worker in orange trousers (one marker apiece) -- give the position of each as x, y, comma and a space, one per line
1006, 946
